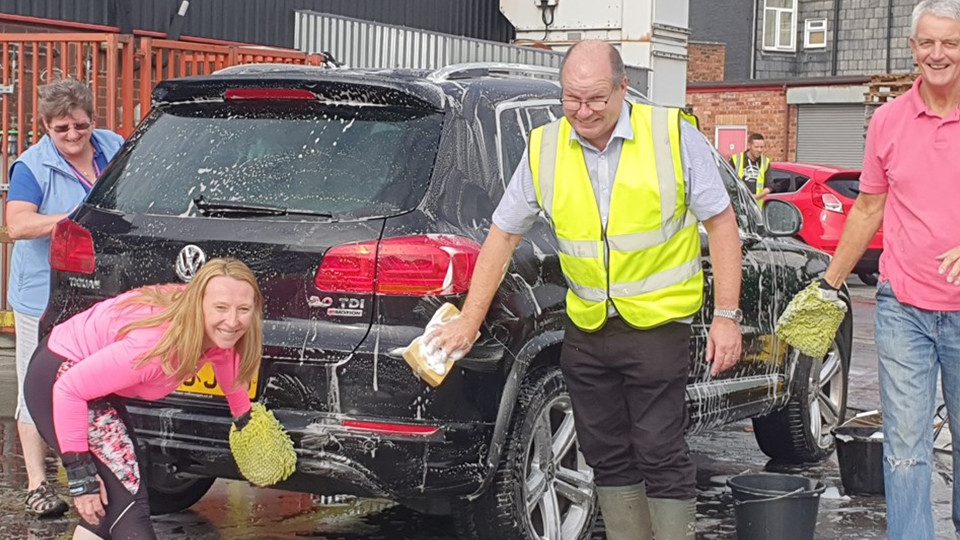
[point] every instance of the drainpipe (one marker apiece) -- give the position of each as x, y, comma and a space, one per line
889, 33
786, 126
176, 22
836, 37
753, 42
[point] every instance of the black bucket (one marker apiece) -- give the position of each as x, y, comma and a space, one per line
861, 459
779, 506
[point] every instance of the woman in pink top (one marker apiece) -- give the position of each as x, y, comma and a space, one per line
142, 344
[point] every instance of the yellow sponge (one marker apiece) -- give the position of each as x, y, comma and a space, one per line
432, 366
263, 449
417, 361
810, 321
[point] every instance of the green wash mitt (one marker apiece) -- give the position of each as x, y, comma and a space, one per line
811, 320
261, 447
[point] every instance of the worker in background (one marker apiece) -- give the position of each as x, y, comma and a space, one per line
752, 166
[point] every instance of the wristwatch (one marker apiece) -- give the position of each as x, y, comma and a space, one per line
735, 314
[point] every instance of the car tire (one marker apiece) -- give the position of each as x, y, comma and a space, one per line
536, 492
169, 494
802, 430
868, 278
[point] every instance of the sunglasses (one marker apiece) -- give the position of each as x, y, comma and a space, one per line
63, 128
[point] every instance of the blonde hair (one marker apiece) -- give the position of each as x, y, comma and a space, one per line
181, 346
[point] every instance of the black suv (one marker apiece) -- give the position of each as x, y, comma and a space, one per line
360, 199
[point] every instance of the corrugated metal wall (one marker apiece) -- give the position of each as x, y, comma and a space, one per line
365, 44
83, 11
271, 22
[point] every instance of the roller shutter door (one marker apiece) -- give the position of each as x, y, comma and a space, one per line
831, 134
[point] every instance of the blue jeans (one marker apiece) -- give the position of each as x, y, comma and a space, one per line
913, 344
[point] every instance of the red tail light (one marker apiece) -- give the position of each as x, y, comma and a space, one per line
349, 268
407, 265
71, 248
826, 200
268, 93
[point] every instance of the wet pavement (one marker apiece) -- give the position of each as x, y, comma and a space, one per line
235, 510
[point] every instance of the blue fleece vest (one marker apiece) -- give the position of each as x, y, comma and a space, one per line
29, 287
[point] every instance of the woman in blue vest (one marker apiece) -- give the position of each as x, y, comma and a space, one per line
47, 182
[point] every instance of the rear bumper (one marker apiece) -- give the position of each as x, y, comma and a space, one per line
331, 459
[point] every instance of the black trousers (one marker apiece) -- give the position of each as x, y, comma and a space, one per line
127, 516
628, 388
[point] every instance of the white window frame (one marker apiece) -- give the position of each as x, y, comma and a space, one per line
811, 27
774, 15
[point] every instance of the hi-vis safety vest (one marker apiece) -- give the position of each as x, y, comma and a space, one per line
647, 260
740, 162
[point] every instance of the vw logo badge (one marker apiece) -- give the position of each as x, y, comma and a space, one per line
190, 259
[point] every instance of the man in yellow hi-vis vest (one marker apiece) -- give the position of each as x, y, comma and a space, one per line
623, 186
752, 166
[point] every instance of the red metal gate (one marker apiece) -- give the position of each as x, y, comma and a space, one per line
120, 69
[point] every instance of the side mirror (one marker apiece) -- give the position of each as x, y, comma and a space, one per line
781, 218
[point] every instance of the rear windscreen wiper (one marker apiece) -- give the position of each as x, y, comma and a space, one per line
222, 208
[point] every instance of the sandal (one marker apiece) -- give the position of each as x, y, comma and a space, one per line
43, 502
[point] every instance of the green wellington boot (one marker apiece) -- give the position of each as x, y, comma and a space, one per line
674, 519
626, 515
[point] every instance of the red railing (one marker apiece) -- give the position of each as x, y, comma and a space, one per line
120, 69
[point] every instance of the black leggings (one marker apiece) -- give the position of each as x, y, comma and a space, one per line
127, 516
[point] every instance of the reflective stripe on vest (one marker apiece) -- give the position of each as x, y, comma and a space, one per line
647, 260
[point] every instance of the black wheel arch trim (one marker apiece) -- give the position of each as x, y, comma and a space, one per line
508, 400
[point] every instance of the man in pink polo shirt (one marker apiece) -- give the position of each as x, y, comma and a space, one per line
911, 184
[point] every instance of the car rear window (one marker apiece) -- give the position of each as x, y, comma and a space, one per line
846, 184
780, 181
345, 162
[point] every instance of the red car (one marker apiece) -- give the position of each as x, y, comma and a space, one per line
824, 194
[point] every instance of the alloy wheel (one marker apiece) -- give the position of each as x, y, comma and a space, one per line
558, 484
827, 391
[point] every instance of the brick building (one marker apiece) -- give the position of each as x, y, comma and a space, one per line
790, 115
733, 110
796, 69
705, 61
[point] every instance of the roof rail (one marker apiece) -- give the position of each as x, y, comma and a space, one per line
479, 69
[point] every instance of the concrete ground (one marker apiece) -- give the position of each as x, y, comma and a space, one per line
235, 510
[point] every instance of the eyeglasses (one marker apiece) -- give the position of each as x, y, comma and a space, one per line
595, 105
63, 128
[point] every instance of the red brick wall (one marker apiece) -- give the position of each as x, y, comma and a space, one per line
705, 61
762, 110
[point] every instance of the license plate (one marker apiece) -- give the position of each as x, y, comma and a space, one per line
206, 383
